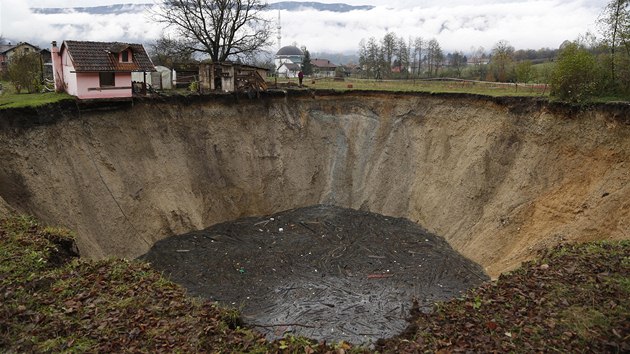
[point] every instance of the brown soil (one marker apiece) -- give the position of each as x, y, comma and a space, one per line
322, 272
498, 178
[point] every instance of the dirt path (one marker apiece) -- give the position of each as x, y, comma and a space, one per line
323, 272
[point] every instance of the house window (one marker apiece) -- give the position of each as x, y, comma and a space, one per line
124, 56
106, 79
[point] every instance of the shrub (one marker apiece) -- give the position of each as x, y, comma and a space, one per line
25, 72
576, 74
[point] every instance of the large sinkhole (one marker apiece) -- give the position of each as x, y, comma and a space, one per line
493, 179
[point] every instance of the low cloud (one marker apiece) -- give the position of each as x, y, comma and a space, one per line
457, 25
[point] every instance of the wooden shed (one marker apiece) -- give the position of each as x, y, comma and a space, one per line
230, 77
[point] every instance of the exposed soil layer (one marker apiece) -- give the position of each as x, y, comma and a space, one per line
323, 272
498, 178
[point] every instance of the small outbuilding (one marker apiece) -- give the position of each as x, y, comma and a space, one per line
230, 77
161, 79
98, 69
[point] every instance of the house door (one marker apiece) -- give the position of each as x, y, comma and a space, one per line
156, 80
217, 78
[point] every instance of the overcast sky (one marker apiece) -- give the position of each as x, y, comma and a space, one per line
456, 24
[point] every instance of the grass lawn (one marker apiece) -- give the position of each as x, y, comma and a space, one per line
10, 99
475, 87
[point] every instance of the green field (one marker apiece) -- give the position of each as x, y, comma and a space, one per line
463, 86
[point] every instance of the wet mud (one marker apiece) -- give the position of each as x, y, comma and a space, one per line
324, 272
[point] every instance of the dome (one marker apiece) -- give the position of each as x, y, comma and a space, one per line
290, 50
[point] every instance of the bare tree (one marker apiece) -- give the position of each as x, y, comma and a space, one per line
615, 24
167, 51
221, 28
402, 56
418, 44
502, 60
478, 61
435, 57
457, 62
370, 58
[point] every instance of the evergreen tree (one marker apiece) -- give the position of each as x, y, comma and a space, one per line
307, 67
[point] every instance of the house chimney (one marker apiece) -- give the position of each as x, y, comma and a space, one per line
53, 48
57, 67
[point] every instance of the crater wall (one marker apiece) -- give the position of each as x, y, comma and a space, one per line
498, 178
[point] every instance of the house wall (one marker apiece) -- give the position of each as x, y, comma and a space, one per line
227, 82
21, 48
283, 71
3, 63
88, 86
206, 77
323, 72
69, 77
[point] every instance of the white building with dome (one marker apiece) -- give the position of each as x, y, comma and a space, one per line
288, 61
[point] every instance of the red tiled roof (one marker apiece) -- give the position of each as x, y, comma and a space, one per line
292, 66
6, 47
103, 56
323, 63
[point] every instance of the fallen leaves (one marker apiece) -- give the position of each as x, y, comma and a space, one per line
536, 307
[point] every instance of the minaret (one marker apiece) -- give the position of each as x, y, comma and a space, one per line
279, 28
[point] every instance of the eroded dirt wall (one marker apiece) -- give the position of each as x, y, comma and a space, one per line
497, 179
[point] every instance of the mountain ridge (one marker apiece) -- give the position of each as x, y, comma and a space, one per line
127, 8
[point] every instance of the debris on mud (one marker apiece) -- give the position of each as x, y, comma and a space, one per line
323, 272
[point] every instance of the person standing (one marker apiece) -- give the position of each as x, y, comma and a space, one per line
300, 77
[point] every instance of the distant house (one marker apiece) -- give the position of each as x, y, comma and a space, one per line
98, 69
8, 50
289, 69
47, 70
323, 67
478, 61
288, 61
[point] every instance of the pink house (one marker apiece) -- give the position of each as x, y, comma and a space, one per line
98, 69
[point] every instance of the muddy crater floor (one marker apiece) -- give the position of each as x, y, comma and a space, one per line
324, 272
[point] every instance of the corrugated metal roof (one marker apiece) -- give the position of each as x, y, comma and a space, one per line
103, 56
